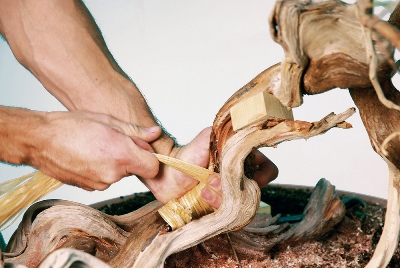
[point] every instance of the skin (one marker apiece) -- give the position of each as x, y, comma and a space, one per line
109, 131
55, 143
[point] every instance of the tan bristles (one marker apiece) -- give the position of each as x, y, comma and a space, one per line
18, 194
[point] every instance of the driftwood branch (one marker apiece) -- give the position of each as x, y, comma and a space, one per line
345, 46
323, 211
139, 239
324, 48
331, 51
365, 7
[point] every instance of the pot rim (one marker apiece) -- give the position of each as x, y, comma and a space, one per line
341, 193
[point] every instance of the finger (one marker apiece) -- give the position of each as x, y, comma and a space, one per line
211, 197
98, 186
214, 182
74, 179
147, 134
197, 151
142, 144
267, 170
212, 192
143, 164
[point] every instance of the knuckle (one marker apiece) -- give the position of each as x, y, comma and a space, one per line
109, 177
134, 130
152, 172
148, 170
110, 180
103, 187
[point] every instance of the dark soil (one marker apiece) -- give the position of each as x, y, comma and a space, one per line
128, 205
350, 244
275, 196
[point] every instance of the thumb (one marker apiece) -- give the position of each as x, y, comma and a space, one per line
142, 144
148, 134
197, 151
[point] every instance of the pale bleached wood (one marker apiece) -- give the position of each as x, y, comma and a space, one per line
389, 240
63, 220
240, 202
241, 198
260, 235
324, 48
258, 108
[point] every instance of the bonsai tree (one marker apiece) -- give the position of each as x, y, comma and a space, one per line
327, 44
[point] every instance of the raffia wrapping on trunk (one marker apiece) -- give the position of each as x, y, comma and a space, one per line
178, 212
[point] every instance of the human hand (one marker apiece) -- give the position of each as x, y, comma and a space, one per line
92, 150
171, 184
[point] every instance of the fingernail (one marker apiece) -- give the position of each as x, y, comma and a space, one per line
207, 194
215, 182
153, 129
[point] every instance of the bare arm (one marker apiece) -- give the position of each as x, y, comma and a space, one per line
59, 42
60, 45
74, 147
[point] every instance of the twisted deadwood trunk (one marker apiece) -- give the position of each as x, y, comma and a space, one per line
380, 122
139, 240
325, 47
311, 65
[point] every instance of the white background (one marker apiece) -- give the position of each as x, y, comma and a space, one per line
188, 58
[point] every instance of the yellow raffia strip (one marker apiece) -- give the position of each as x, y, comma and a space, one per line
196, 172
18, 194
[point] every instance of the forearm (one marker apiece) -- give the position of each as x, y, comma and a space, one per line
58, 41
74, 147
16, 127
